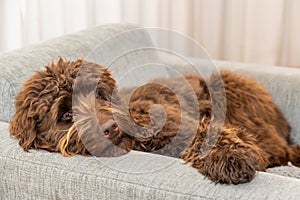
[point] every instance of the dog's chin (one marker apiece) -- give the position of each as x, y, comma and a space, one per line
96, 143
101, 146
112, 150
118, 145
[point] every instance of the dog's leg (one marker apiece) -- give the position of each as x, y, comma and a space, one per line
275, 146
231, 157
295, 154
278, 150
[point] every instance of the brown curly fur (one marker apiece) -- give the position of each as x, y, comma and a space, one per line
255, 134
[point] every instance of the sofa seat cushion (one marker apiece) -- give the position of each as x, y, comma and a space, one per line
137, 175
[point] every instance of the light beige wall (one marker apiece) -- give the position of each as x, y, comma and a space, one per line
256, 31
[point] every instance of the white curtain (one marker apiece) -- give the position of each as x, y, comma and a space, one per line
257, 31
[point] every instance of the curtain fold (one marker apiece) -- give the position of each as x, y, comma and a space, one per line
256, 31
10, 24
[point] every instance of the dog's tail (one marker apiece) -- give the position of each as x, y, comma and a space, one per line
295, 154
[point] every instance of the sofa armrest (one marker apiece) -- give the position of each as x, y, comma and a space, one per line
18, 65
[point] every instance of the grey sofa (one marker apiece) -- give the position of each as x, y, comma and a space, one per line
137, 175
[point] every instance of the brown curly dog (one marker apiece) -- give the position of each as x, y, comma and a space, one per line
73, 111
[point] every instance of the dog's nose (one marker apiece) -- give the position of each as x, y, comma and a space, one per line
110, 128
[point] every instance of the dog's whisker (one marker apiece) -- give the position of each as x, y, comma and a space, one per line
63, 130
66, 140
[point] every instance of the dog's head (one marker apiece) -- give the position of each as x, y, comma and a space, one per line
68, 108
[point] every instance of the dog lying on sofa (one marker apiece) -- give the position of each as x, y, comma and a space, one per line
73, 111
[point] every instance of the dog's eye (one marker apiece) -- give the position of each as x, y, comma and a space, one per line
101, 95
67, 116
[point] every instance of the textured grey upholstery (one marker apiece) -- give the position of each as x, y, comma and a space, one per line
136, 175
16, 66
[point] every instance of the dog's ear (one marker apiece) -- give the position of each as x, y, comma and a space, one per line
23, 124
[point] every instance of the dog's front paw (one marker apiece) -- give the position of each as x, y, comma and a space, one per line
231, 168
231, 158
